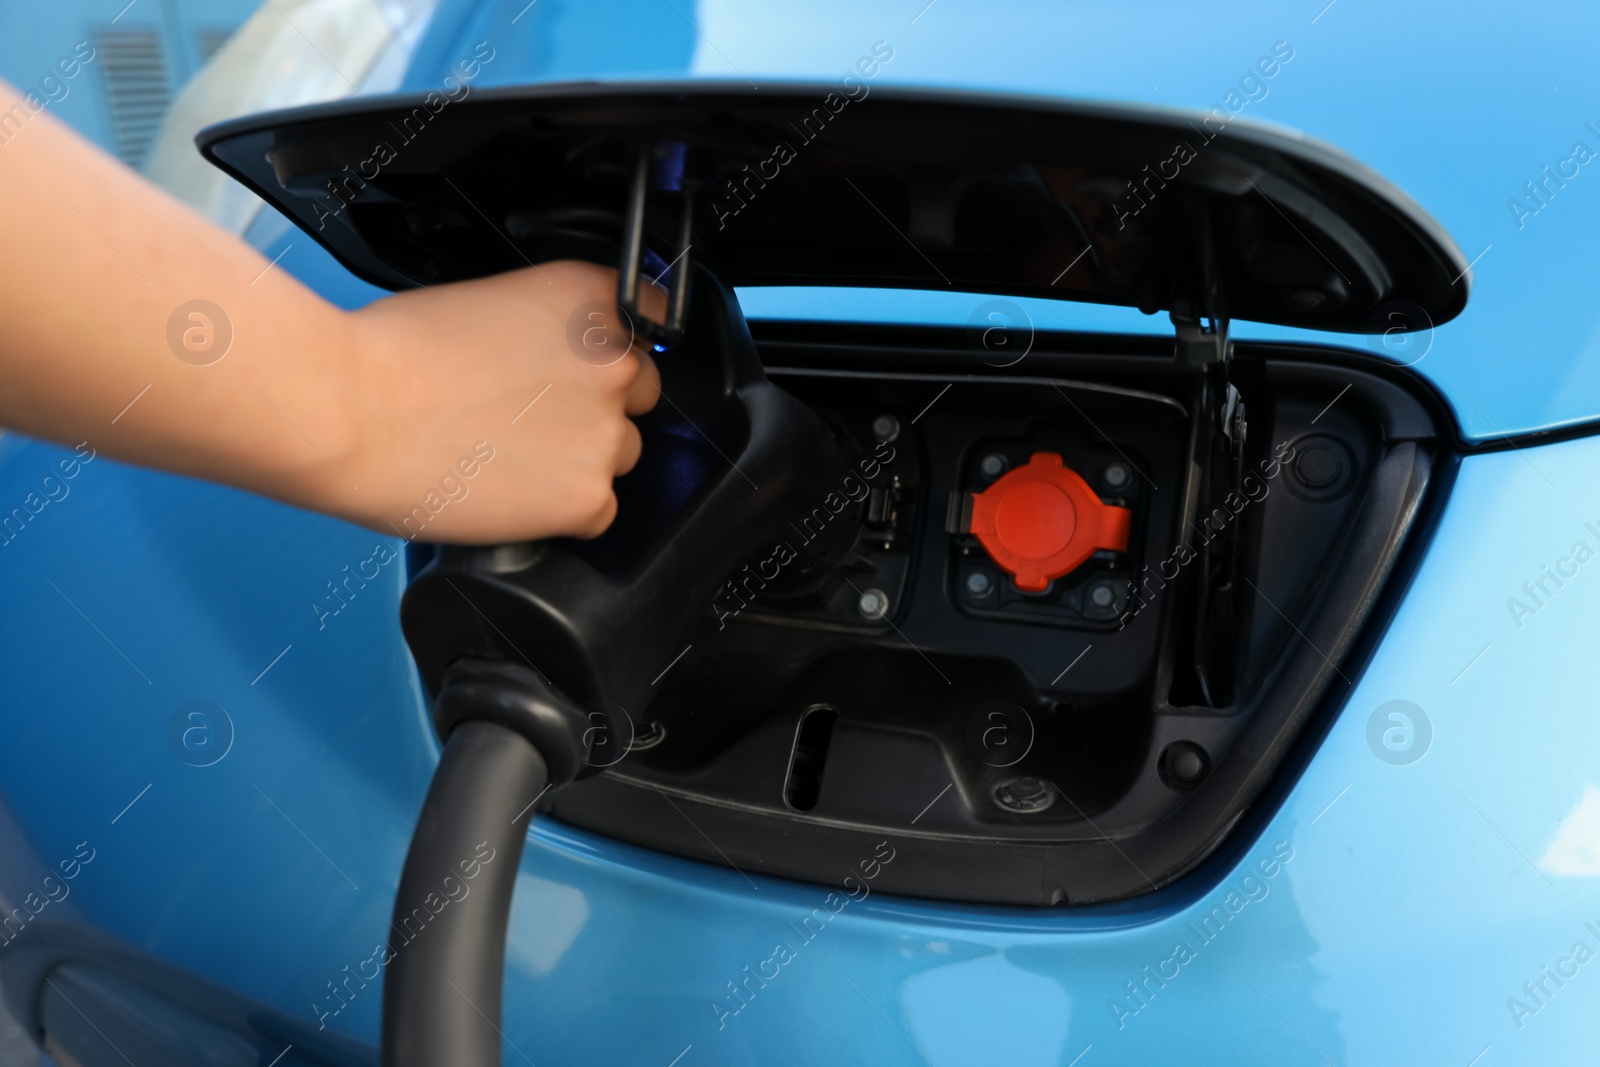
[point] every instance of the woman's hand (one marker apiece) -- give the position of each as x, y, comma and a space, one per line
480, 414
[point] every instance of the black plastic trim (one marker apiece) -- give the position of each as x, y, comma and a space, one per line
1054, 179
1080, 868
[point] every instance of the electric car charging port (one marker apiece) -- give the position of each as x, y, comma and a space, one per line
1033, 539
840, 558
976, 720
1069, 615
1052, 628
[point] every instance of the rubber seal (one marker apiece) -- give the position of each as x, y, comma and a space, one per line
517, 698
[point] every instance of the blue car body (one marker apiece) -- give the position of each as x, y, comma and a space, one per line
1423, 892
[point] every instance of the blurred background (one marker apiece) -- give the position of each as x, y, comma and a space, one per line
145, 53
142, 59
150, 73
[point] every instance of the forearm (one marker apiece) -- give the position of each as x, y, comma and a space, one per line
84, 328
366, 415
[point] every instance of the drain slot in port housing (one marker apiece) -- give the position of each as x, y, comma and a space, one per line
810, 756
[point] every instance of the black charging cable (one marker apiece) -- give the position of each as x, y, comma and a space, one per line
508, 736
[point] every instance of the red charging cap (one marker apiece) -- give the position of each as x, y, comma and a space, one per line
1042, 520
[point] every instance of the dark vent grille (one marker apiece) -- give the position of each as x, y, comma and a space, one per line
138, 91
211, 40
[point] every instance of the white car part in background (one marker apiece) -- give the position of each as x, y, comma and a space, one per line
289, 53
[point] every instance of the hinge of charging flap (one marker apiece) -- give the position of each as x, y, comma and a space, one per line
1217, 470
1201, 342
1203, 345
664, 164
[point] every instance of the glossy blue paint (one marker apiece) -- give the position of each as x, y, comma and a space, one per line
1418, 900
